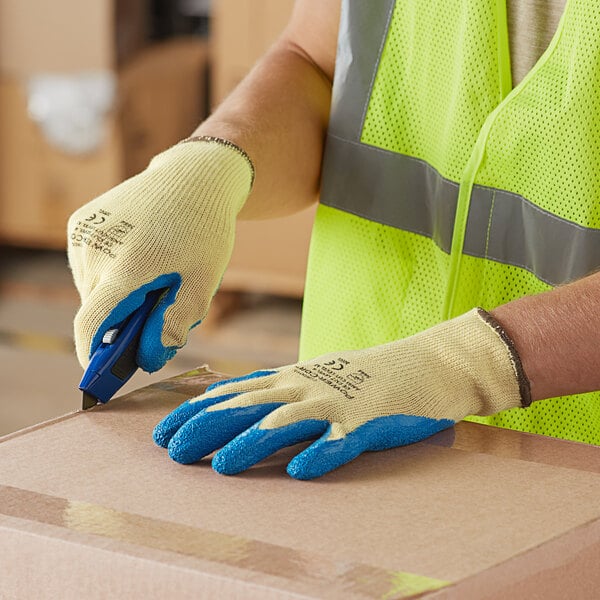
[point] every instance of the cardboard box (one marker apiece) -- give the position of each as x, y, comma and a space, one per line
65, 36
161, 98
91, 508
241, 32
269, 256
58, 36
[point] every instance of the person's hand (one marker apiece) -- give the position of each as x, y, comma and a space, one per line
172, 226
351, 402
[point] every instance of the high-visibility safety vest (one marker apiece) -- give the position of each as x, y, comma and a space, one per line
444, 188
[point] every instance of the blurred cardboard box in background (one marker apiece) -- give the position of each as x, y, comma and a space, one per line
160, 95
269, 256
58, 36
160, 98
241, 32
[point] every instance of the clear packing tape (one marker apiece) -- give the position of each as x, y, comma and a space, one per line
329, 575
71, 109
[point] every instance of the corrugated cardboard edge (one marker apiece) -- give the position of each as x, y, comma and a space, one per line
198, 371
42, 425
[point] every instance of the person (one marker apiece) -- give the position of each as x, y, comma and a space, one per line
452, 270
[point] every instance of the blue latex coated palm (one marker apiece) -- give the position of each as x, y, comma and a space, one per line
233, 422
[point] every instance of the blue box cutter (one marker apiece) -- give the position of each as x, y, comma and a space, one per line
113, 363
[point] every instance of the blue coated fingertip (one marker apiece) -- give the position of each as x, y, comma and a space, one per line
255, 444
323, 456
164, 431
381, 433
208, 431
252, 375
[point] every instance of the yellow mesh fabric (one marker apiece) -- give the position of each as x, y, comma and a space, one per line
545, 141
574, 418
544, 144
432, 103
491, 283
436, 84
420, 106
368, 284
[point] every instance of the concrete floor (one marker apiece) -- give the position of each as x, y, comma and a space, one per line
39, 371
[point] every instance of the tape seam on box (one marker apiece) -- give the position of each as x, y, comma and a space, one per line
299, 566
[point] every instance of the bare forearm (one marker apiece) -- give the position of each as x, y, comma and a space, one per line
279, 113
557, 335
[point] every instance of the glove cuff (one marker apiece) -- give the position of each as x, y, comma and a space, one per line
522, 380
226, 143
471, 359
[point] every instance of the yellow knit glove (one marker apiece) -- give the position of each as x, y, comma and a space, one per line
371, 399
172, 226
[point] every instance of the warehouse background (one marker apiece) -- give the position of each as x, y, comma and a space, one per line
89, 92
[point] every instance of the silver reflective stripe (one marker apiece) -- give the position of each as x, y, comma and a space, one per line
508, 228
362, 33
389, 188
409, 194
